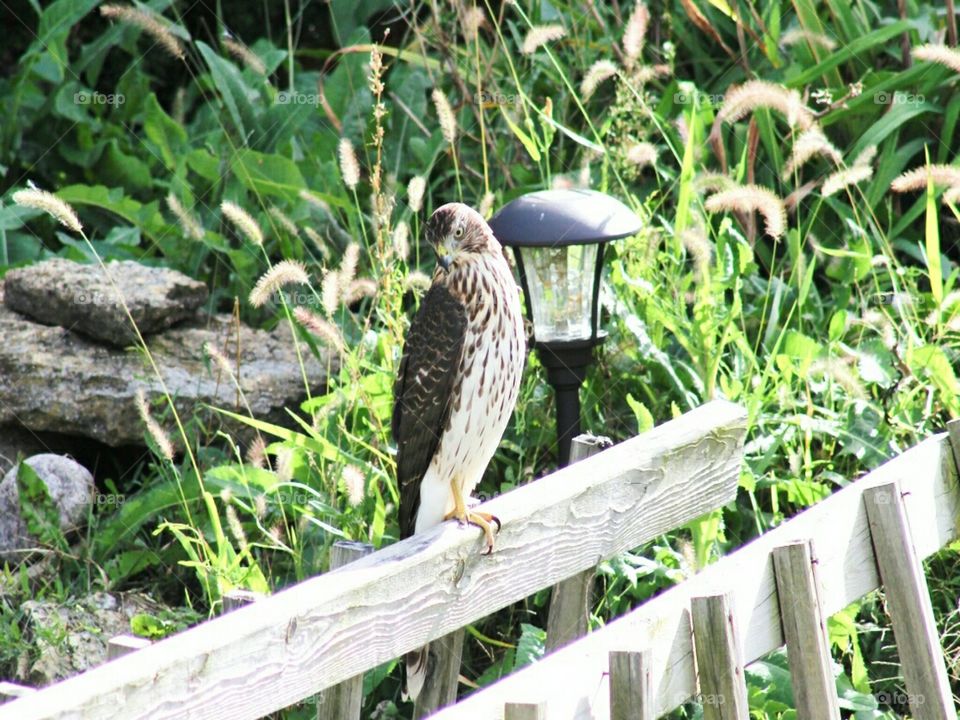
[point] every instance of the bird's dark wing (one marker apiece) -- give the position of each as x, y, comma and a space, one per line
423, 393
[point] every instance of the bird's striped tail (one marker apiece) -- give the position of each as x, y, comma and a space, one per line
416, 663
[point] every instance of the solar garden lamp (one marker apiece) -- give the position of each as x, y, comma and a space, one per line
558, 239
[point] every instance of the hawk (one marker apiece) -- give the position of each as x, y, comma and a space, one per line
457, 383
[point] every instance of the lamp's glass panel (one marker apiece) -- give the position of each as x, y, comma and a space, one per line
560, 282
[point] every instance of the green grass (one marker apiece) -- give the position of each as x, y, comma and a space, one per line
839, 335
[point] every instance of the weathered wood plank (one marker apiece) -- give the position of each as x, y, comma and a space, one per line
343, 701
10, 691
525, 711
723, 686
805, 629
908, 601
569, 616
234, 599
443, 677
576, 676
287, 647
631, 687
124, 645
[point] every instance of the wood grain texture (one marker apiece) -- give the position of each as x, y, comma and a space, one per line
631, 686
124, 645
234, 599
576, 676
343, 701
289, 646
805, 630
723, 686
908, 602
569, 616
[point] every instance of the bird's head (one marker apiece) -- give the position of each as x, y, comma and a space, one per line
457, 232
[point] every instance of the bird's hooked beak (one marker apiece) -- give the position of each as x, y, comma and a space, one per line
445, 261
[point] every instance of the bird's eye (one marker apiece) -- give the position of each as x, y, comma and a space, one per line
458, 233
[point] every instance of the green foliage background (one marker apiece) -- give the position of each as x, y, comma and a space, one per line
839, 337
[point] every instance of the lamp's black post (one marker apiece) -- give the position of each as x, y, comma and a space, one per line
558, 239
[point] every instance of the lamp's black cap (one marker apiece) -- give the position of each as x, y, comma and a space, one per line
553, 218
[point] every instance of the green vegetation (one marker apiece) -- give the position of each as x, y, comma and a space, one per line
832, 314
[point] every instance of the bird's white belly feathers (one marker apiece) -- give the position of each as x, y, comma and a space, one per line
487, 397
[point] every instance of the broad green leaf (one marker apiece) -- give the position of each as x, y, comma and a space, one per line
529, 145
268, 174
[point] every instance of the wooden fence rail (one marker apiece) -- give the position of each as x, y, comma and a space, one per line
287, 647
777, 590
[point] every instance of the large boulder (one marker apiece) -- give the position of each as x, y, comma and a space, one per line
70, 487
54, 379
84, 298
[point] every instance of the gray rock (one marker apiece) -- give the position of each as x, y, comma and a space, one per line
67, 638
56, 380
70, 486
82, 298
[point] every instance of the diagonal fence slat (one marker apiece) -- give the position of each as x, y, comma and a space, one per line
291, 645
574, 680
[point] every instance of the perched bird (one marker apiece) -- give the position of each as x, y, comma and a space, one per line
457, 383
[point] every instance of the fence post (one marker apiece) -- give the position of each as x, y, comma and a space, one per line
723, 686
805, 632
123, 645
908, 602
631, 685
443, 675
343, 701
233, 599
569, 614
524, 711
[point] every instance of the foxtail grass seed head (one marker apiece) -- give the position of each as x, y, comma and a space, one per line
473, 20
916, 179
811, 143
284, 464
417, 281
284, 221
600, 71
242, 221
802, 35
349, 167
699, 249
257, 452
219, 358
50, 204
415, 191
939, 54
359, 289
245, 55
448, 121
348, 265
710, 182
325, 330
636, 30
318, 242
401, 239
147, 22
752, 198
354, 484
285, 272
754, 94
486, 205
260, 506
866, 156
540, 35
188, 223
845, 178
951, 196
642, 153
314, 200
330, 292
157, 434
236, 529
